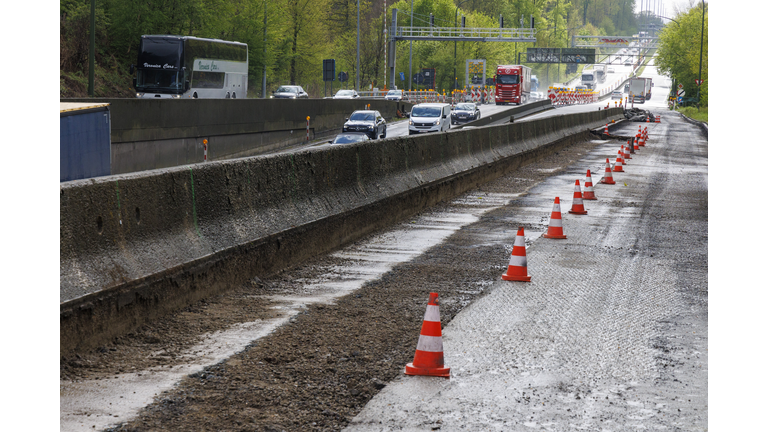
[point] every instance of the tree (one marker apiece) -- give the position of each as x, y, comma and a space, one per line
680, 48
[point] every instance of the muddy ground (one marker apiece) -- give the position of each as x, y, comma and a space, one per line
318, 371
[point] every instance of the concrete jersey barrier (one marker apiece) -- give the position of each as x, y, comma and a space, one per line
138, 245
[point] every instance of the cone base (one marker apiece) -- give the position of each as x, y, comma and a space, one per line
604, 181
507, 277
553, 236
577, 212
618, 169
410, 369
589, 197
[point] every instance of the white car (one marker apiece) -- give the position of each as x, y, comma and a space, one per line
611, 70
346, 94
617, 94
395, 95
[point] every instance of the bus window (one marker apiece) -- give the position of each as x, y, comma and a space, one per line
202, 79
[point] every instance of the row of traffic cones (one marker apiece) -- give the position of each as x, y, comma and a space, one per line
429, 360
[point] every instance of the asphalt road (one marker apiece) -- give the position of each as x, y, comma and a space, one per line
610, 334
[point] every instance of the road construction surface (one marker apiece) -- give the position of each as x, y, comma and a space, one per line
610, 334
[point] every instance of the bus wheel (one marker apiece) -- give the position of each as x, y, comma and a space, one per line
234, 96
227, 96
194, 95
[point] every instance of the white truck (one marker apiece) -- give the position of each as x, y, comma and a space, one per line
638, 90
588, 79
601, 70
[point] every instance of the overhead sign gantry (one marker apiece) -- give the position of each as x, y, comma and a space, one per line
451, 34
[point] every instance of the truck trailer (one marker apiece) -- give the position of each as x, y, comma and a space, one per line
637, 90
513, 84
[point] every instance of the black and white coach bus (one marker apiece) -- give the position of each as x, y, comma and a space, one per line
190, 67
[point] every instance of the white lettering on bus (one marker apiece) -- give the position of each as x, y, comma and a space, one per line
147, 65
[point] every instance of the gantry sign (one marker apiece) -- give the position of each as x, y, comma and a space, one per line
561, 55
451, 34
647, 42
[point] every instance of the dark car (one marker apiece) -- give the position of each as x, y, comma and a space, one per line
290, 92
368, 121
349, 138
465, 112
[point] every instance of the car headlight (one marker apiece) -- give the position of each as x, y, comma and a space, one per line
410, 122
370, 127
437, 122
138, 95
175, 96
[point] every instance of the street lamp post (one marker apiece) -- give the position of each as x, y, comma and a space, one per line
455, 22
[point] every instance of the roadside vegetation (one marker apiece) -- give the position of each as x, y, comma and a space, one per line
696, 114
301, 33
681, 49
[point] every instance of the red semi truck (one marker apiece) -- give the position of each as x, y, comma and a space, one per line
513, 84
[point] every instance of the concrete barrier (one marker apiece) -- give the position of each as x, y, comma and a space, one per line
163, 133
136, 246
508, 113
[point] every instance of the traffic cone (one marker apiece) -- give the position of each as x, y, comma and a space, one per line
608, 177
617, 167
637, 138
578, 204
555, 230
606, 129
629, 148
518, 264
625, 151
589, 191
429, 351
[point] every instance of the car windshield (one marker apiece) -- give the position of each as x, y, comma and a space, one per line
588, 77
361, 116
425, 112
465, 107
287, 90
344, 93
349, 138
394, 93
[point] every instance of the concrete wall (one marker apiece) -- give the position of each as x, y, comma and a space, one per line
139, 245
162, 133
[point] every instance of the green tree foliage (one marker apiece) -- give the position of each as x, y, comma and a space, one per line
301, 33
679, 51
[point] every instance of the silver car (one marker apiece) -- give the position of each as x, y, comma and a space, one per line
289, 92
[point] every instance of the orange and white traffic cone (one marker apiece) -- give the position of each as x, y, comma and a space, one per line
605, 131
626, 154
636, 146
578, 204
429, 351
589, 191
518, 263
608, 177
617, 167
555, 230
630, 147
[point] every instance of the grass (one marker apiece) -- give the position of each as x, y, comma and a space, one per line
692, 112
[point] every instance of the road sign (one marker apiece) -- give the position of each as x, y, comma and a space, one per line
680, 100
698, 82
680, 86
329, 70
402, 76
681, 92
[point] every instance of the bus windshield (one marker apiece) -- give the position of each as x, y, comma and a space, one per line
158, 79
508, 79
587, 77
